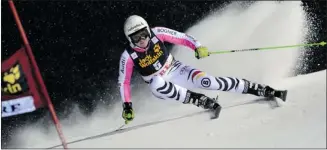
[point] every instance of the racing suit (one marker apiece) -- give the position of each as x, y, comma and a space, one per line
169, 78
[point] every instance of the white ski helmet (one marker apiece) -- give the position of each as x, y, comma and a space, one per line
133, 24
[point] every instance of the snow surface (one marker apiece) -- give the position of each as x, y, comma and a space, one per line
243, 123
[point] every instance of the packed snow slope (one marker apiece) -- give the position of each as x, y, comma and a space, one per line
244, 123
301, 123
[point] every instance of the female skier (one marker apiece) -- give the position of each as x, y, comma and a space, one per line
169, 78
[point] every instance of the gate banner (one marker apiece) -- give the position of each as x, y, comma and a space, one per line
20, 91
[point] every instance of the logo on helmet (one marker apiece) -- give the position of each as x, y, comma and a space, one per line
136, 26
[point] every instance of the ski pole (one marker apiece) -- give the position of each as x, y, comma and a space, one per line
323, 43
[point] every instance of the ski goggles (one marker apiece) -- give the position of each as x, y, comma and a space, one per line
139, 35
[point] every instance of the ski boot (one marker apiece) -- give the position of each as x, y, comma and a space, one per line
265, 91
207, 103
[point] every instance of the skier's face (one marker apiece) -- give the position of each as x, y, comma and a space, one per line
141, 38
143, 43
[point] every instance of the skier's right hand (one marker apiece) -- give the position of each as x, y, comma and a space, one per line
128, 113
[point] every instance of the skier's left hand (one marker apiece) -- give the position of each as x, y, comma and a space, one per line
201, 52
128, 113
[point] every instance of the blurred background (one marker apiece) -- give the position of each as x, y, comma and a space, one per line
77, 45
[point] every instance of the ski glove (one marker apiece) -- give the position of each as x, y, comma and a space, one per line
128, 113
201, 52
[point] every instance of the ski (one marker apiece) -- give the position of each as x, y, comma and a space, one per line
215, 112
282, 94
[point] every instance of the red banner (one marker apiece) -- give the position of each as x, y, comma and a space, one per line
20, 90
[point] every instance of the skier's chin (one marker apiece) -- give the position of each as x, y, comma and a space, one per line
143, 46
